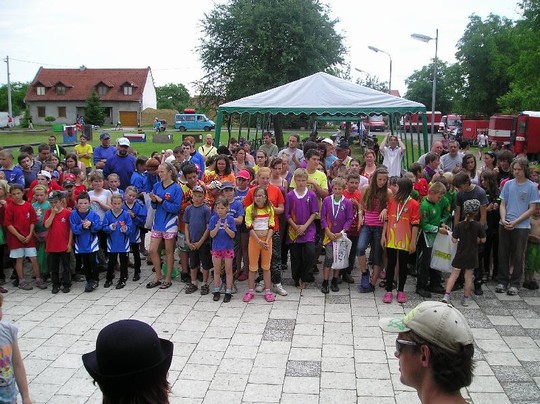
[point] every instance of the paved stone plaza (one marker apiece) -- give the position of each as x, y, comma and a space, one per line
299, 349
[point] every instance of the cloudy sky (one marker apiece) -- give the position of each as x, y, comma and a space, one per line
163, 34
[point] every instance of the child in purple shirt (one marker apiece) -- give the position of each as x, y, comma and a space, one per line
336, 218
301, 208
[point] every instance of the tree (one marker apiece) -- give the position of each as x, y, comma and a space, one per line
420, 87
524, 93
485, 52
172, 96
373, 81
18, 92
250, 46
94, 113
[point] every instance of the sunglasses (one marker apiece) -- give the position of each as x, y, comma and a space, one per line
400, 343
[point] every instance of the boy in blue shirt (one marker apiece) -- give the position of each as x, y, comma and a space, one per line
196, 218
117, 224
85, 225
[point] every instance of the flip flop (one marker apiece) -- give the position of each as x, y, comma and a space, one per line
165, 285
153, 284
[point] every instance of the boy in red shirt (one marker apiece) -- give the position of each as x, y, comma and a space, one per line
352, 193
420, 184
58, 242
20, 218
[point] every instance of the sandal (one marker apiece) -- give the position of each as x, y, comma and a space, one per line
165, 285
153, 284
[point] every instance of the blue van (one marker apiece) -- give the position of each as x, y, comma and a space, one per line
184, 122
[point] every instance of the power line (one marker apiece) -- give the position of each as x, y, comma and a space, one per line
38, 63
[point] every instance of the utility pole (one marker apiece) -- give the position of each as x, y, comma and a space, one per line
10, 108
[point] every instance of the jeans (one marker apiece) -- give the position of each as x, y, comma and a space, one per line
512, 244
370, 235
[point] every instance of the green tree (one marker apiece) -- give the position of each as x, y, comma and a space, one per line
172, 96
373, 81
524, 93
94, 113
18, 92
420, 87
485, 52
250, 46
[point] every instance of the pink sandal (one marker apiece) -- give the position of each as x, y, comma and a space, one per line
269, 297
248, 297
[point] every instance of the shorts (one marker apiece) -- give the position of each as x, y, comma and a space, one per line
200, 257
23, 252
223, 253
328, 255
532, 258
165, 235
181, 242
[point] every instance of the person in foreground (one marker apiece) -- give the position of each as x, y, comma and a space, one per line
130, 364
435, 348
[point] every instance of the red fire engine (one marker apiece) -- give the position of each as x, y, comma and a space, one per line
521, 131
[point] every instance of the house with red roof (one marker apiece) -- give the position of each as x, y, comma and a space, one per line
62, 94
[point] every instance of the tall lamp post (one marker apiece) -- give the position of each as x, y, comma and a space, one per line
426, 38
377, 50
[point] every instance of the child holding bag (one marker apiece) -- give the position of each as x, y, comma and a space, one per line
468, 234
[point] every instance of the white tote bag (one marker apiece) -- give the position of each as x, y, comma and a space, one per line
443, 252
342, 248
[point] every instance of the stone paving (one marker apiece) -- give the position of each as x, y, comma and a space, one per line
299, 349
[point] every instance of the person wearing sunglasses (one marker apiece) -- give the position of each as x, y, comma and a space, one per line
435, 348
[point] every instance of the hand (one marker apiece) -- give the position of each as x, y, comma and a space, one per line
412, 248
383, 241
360, 220
112, 226
300, 230
265, 245
68, 249
337, 236
152, 197
382, 215
123, 228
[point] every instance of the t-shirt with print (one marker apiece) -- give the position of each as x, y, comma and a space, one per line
518, 197
399, 229
8, 336
299, 208
196, 218
320, 178
20, 217
222, 241
58, 235
40, 209
275, 196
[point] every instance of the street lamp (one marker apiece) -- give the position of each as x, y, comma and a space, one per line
374, 49
425, 38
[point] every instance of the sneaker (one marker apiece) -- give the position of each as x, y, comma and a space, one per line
259, 287
108, 284
55, 290
191, 288
500, 288
227, 298
40, 283
348, 278
478, 289
401, 297
89, 287
66, 289
121, 284
324, 287
465, 301
365, 286
136, 277
205, 289
269, 297
95, 285
388, 297
25, 285
334, 285
248, 297
278, 288
512, 291
446, 298
217, 296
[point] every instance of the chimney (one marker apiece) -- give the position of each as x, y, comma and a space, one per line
82, 68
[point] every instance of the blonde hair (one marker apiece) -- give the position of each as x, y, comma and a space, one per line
113, 175
338, 182
40, 188
5, 186
300, 173
95, 176
117, 195
265, 170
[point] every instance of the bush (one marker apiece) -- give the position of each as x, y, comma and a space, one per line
50, 119
25, 119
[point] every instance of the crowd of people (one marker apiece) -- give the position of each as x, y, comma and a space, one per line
244, 213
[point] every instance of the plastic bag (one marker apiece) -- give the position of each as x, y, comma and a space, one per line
342, 248
443, 252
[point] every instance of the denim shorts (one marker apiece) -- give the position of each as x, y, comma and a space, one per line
371, 235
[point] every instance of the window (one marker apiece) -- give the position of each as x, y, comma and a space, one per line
61, 90
61, 112
41, 112
40, 90
102, 90
128, 90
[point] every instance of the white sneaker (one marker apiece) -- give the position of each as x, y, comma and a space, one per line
278, 288
259, 287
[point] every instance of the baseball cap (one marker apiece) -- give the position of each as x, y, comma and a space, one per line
123, 141
198, 188
214, 185
70, 177
471, 206
327, 140
227, 185
343, 144
45, 174
243, 174
436, 322
68, 183
54, 195
104, 135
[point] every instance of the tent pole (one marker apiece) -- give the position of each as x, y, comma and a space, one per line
217, 131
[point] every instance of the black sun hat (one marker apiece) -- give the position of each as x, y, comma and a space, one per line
128, 353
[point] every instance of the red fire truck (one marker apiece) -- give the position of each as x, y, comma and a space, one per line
414, 121
473, 127
521, 131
